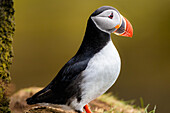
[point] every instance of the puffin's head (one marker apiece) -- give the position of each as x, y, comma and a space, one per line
109, 20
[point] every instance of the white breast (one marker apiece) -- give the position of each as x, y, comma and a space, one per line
101, 73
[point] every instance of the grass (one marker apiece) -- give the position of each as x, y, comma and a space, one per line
120, 106
146, 109
106, 103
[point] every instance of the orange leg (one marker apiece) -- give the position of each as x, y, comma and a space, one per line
87, 109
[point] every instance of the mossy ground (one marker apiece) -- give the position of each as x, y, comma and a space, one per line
103, 104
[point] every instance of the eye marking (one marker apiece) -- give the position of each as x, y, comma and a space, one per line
111, 15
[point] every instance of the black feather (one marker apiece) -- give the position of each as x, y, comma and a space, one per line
101, 9
66, 85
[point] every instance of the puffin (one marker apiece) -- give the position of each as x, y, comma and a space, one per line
93, 69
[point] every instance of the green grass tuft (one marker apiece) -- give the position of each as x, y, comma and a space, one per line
153, 111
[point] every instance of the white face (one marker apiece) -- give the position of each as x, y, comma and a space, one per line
107, 20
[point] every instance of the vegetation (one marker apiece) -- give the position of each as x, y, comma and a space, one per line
106, 103
6, 51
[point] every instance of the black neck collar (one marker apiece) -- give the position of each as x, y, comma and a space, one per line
94, 39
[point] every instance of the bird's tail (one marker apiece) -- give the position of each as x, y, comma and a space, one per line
31, 101
42, 96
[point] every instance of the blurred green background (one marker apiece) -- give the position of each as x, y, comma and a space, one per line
48, 34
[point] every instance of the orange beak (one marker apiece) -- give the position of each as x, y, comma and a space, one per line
125, 28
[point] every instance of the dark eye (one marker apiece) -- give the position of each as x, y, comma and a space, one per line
111, 15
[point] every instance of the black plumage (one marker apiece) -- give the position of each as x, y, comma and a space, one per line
94, 68
104, 8
66, 85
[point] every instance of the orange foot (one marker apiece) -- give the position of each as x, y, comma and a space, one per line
87, 109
